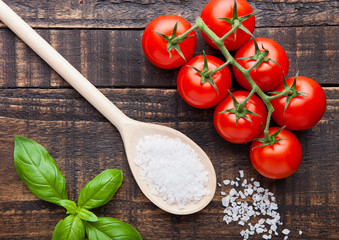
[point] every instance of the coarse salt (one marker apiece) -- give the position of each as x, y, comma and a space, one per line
261, 205
171, 169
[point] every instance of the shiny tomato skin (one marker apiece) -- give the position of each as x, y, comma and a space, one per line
268, 75
216, 9
281, 159
204, 95
244, 131
155, 46
303, 112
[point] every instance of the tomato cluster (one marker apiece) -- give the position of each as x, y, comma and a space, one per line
259, 66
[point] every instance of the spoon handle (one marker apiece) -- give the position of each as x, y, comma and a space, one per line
62, 66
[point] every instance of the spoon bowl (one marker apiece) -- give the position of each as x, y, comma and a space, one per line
138, 130
131, 130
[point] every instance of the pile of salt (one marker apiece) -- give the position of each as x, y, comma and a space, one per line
172, 169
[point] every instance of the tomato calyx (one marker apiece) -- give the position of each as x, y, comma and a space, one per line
260, 56
173, 41
269, 140
236, 22
205, 74
290, 92
239, 110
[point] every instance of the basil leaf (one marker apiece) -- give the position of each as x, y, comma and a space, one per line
107, 228
86, 215
100, 189
70, 228
38, 170
70, 206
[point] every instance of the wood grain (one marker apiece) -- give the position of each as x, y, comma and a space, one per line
138, 13
107, 60
102, 39
83, 144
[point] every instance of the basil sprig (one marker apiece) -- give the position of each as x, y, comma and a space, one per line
38, 170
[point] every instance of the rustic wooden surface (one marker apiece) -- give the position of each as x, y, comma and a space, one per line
35, 102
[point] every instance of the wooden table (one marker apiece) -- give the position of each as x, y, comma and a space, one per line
102, 39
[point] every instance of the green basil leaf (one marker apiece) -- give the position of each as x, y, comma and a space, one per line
70, 228
100, 189
86, 215
70, 206
107, 228
38, 170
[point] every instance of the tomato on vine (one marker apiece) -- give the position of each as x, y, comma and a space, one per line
240, 125
221, 15
302, 107
274, 64
159, 45
278, 156
199, 86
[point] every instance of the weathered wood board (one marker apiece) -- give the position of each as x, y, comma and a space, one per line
102, 39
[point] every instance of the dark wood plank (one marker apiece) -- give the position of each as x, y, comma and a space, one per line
83, 144
137, 14
115, 58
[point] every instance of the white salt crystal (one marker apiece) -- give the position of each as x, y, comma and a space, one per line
285, 231
226, 182
249, 191
286, 237
171, 169
225, 201
223, 193
241, 172
219, 185
274, 206
266, 236
300, 232
233, 192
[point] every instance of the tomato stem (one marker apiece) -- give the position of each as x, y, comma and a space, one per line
212, 71
243, 103
245, 72
236, 25
182, 37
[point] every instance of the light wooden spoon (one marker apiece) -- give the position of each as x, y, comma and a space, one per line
130, 130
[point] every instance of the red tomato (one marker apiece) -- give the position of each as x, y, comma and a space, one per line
203, 95
281, 159
268, 75
303, 112
155, 46
216, 9
243, 131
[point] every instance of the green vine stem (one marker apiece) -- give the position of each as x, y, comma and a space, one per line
245, 72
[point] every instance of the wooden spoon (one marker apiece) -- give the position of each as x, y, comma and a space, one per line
130, 130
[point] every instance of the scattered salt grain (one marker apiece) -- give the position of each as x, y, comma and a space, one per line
261, 204
300, 232
219, 185
226, 182
171, 169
